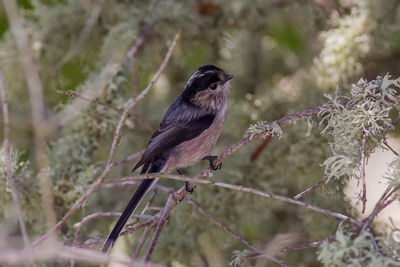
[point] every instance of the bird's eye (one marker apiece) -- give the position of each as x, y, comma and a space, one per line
213, 86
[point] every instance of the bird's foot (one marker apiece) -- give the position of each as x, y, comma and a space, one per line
188, 189
211, 160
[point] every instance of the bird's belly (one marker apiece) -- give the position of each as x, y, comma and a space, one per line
193, 150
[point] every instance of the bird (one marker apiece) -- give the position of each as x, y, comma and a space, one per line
187, 133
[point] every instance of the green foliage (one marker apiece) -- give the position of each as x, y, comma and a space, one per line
360, 250
237, 257
364, 114
265, 129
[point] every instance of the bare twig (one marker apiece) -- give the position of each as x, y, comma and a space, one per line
181, 193
171, 202
93, 101
312, 188
362, 173
96, 101
384, 141
384, 201
113, 148
148, 30
37, 106
7, 160
141, 242
221, 225
167, 190
100, 214
260, 148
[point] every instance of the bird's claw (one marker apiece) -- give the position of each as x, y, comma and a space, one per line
188, 189
211, 160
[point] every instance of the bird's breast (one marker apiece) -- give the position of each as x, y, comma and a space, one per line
193, 150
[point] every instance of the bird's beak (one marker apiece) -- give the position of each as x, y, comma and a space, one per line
227, 77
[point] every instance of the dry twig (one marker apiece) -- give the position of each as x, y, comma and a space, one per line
312, 188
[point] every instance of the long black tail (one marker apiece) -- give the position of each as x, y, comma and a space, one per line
132, 205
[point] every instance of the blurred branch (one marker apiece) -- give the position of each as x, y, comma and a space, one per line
141, 242
327, 5
37, 106
84, 35
96, 101
109, 164
47, 253
7, 160
147, 31
221, 225
97, 84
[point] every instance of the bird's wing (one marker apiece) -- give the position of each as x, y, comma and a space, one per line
172, 133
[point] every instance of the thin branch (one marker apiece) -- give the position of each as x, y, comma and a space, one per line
362, 173
181, 193
167, 190
37, 106
96, 101
382, 203
384, 141
312, 188
7, 160
171, 202
75, 207
221, 225
87, 218
147, 31
149, 223
141, 242
59, 253
260, 148
295, 247
93, 101
113, 148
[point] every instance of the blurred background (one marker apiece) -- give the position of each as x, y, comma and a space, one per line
284, 56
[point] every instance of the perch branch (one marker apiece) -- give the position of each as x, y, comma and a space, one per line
181, 193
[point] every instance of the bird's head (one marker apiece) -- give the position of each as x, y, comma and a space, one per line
208, 88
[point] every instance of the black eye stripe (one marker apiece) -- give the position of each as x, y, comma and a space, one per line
199, 83
205, 81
